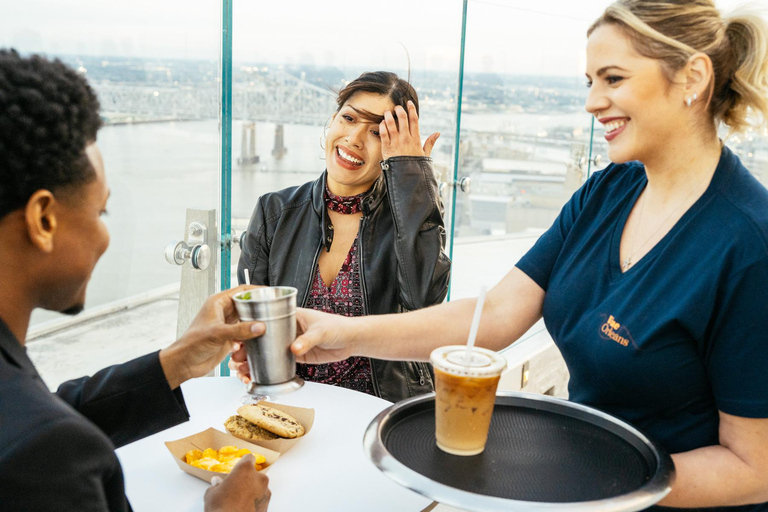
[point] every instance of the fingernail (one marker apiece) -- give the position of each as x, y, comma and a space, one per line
216, 481
256, 328
298, 346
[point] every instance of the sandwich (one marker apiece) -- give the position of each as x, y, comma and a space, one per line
262, 423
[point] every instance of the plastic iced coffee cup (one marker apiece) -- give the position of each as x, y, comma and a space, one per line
465, 395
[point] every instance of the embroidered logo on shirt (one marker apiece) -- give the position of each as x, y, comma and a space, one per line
613, 330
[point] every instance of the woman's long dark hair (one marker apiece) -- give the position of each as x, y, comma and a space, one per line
380, 82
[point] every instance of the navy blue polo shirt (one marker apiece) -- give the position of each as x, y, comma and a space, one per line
684, 332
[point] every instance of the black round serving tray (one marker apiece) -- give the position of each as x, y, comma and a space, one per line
543, 453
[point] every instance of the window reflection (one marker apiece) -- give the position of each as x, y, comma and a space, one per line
525, 139
155, 70
287, 73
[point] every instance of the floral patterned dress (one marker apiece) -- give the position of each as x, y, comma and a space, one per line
343, 297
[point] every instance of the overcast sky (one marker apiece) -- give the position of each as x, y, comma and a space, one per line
503, 36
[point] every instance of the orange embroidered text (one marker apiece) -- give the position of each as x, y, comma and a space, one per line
609, 329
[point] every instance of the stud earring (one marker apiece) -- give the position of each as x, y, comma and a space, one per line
689, 101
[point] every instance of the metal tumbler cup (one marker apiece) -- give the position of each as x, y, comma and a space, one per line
272, 364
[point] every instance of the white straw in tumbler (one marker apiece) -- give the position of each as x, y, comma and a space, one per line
475, 324
247, 277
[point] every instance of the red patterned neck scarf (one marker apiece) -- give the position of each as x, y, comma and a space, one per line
341, 204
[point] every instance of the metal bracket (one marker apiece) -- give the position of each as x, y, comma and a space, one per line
198, 278
595, 160
464, 184
195, 249
525, 374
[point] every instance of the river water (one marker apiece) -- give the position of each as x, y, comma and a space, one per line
157, 170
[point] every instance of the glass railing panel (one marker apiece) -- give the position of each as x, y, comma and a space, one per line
288, 69
525, 136
155, 69
752, 148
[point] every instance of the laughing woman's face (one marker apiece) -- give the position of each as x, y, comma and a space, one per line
352, 146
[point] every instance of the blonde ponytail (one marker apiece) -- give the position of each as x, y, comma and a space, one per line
741, 100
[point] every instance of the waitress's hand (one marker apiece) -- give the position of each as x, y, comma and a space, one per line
322, 337
402, 139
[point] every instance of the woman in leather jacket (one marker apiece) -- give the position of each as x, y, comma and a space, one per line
366, 237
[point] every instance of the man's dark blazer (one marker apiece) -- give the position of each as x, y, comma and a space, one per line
57, 451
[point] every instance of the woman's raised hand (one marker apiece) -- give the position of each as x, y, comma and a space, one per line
403, 140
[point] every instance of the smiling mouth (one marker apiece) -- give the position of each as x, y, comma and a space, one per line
614, 126
346, 157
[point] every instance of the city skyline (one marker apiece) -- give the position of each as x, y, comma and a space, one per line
503, 36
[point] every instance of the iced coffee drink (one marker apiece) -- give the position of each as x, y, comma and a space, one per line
466, 393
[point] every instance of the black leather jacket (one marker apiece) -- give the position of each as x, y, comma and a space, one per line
401, 241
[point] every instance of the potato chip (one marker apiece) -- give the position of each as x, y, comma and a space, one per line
193, 455
226, 467
205, 463
228, 453
222, 460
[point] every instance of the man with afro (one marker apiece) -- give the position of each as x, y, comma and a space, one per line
57, 449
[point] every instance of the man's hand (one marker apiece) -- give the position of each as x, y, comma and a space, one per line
243, 490
208, 339
402, 139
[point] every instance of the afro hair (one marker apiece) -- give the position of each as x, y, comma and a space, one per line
48, 115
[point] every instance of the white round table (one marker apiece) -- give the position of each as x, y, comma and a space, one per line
326, 471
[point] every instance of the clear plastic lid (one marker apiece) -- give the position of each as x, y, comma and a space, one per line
482, 362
